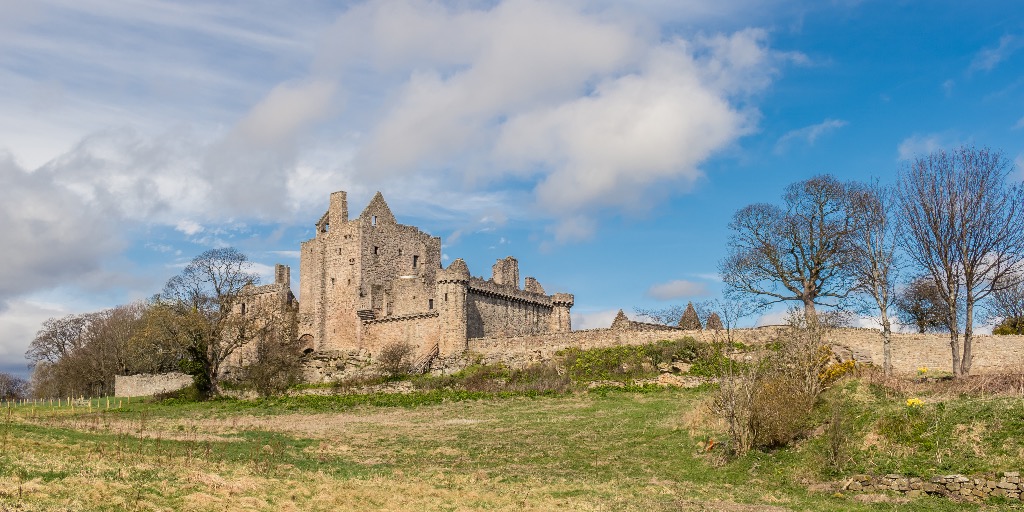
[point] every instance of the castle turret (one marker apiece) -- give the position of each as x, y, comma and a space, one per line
561, 320
452, 288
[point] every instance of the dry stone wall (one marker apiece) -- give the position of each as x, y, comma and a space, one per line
1005, 485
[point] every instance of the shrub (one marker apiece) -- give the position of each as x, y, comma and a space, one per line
621, 363
781, 411
395, 359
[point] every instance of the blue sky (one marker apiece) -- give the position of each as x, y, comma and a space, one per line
604, 144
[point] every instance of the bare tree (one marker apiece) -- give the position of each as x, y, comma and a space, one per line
919, 305
11, 387
81, 354
964, 225
58, 338
1007, 307
729, 312
195, 309
666, 316
796, 253
874, 261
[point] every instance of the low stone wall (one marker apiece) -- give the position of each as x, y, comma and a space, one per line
520, 351
1006, 485
992, 354
148, 384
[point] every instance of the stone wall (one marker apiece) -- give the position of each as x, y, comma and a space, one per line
422, 331
912, 351
147, 384
1006, 485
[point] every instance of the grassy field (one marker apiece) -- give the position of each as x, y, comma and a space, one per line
605, 449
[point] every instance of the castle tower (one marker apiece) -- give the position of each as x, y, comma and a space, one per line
452, 288
561, 320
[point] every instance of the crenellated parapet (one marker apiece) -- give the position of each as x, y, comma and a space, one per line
484, 287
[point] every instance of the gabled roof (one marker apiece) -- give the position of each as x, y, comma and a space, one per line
378, 208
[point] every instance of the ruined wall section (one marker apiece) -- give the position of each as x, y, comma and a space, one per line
262, 309
421, 331
146, 384
494, 309
400, 267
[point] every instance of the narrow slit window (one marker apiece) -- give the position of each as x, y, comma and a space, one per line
430, 304
415, 261
373, 220
376, 250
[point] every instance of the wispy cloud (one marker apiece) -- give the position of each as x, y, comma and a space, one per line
988, 58
677, 289
808, 134
920, 145
1019, 124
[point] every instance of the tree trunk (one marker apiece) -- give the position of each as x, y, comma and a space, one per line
968, 356
954, 336
886, 343
810, 314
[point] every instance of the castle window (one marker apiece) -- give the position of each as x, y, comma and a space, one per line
339, 251
243, 308
415, 261
446, 297
430, 304
399, 252
375, 250
373, 220
332, 281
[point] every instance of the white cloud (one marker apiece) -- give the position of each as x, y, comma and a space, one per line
1019, 124
772, 318
188, 227
593, 319
947, 87
920, 145
677, 289
19, 324
808, 134
988, 58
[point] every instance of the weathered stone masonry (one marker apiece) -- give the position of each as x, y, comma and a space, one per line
370, 281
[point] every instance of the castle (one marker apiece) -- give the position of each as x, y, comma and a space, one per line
369, 282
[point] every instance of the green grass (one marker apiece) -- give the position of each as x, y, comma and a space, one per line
631, 448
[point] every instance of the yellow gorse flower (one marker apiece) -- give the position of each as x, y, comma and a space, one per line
914, 402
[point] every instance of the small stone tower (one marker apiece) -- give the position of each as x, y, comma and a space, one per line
452, 288
561, 320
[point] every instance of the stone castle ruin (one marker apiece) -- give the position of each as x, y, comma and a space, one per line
368, 281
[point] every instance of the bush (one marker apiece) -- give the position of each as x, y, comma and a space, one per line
395, 359
781, 411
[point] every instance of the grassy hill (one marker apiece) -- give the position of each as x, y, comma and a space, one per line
634, 448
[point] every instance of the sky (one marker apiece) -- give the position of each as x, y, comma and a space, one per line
605, 144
